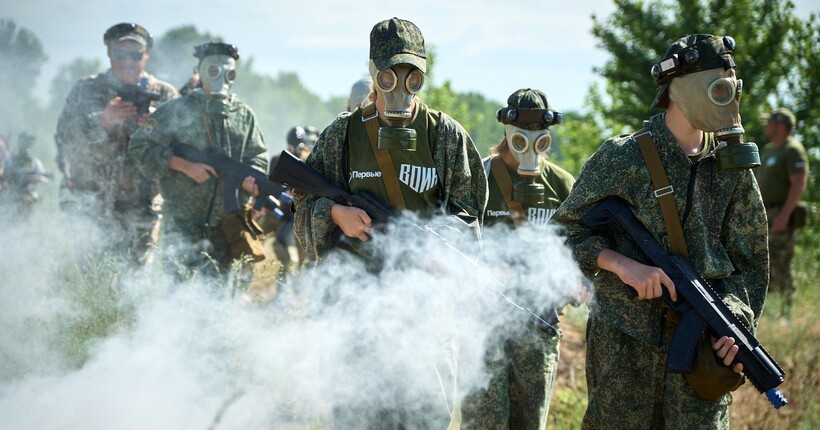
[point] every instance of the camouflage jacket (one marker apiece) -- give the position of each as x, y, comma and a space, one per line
725, 228
96, 157
183, 121
463, 184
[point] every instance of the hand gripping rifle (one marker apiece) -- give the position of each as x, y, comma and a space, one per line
140, 97
700, 308
232, 173
294, 173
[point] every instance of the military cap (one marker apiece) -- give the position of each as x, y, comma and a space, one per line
528, 109
128, 31
690, 54
216, 48
397, 41
782, 115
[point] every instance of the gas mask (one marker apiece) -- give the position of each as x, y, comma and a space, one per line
528, 145
217, 73
397, 86
710, 100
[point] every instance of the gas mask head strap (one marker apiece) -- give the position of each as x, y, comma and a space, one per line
710, 53
528, 118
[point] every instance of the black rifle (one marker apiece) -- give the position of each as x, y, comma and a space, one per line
700, 308
294, 173
232, 173
138, 96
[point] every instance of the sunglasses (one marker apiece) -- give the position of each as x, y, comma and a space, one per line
122, 54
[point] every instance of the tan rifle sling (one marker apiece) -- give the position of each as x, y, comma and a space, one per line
502, 177
370, 118
663, 191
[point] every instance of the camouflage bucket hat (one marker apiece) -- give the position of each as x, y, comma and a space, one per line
528, 109
782, 115
691, 54
397, 41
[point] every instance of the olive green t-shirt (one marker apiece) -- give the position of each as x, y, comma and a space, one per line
557, 185
776, 166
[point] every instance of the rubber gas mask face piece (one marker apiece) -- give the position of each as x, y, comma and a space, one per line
397, 86
710, 100
217, 73
527, 146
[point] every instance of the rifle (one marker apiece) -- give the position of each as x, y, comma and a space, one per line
291, 171
140, 97
232, 173
700, 308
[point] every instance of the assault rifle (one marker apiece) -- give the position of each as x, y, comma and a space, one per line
138, 96
700, 308
291, 171
232, 173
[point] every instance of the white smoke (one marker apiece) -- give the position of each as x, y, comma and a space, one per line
411, 336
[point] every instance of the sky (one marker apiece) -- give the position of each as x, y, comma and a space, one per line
490, 47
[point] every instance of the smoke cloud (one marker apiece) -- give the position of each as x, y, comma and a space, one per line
339, 336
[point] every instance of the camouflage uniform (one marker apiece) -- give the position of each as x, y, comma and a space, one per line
724, 224
192, 214
462, 188
523, 366
104, 178
777, 165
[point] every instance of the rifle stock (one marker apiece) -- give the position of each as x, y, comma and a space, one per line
700, 308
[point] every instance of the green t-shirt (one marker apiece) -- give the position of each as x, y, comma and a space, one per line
776, 166
557, 185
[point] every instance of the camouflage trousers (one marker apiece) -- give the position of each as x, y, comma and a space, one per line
193, 250
781, 273
629, 387
523, 370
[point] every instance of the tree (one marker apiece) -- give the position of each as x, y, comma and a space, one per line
22, 58
638, 33
172, 56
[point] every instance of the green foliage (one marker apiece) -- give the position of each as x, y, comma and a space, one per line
638, 34
21, 59
172, 57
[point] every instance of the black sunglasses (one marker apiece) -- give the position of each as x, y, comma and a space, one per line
122, 54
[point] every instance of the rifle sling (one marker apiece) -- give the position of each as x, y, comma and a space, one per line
663, 191
370, 118
502, 177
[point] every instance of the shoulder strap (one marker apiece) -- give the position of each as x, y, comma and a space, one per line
505, 185
370, 118
663, 191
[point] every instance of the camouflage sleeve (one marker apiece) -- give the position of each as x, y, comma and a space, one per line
312, 224
78, 125
462, 172
255, 153
596, 181
744, 236
149, 147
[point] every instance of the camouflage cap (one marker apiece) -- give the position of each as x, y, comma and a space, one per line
528, 109
216, 48
782, 115
128, 31
397, 41
690, 54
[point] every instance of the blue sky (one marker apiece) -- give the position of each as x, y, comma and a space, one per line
491, 47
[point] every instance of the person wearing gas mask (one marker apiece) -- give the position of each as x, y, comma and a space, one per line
300, 142
405, 153
525, 189
709, 211
93, 131
782, 177
207, 117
